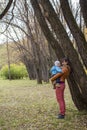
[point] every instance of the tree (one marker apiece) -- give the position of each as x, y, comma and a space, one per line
83, 4
32, 51
78, 80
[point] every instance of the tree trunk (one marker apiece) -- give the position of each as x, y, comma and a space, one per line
35, 50
6, 9
76, 94
38, 63
66, 46
29, 66
83, 4
75, 30
49, 36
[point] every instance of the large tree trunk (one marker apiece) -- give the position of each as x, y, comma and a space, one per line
83, 4
48, 34
75, 30
38, 65
29, 66
66, 46
76, 93
44, 66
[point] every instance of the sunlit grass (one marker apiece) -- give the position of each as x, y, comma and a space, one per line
24, 105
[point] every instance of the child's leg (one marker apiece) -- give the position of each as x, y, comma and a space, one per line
57, 82
54, 84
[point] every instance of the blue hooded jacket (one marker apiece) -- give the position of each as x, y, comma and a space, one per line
55, 69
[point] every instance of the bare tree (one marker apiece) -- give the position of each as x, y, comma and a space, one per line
33, 44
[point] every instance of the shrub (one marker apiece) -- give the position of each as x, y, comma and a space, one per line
16, 71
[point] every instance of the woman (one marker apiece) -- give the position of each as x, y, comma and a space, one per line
61, 87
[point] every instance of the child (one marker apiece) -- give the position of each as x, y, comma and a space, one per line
54, 70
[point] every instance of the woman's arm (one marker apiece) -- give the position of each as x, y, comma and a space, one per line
65, 71
56, 76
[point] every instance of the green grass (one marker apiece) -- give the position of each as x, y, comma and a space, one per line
24, 105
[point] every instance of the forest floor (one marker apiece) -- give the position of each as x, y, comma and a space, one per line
24, 105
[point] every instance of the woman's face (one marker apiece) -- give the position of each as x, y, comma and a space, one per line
64, 63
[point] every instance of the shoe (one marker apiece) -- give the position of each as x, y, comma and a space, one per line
60, 116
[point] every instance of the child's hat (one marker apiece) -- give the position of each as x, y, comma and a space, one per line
57, 62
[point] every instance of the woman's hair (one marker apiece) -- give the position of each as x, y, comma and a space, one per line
68, 63
66, 60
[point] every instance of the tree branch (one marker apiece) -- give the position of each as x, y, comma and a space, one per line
6, 9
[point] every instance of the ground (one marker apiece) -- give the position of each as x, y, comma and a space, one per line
24, 105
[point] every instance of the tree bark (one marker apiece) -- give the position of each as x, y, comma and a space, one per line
83, 4
76, 94
29, 66
38, 65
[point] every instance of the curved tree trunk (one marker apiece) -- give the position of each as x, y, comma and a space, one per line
67, 48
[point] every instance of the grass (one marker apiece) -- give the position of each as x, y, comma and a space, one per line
24, 105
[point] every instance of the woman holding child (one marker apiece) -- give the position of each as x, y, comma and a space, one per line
60, 87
